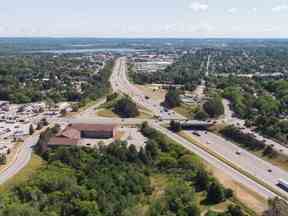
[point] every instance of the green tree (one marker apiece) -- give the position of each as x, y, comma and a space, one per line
214, 107
175, 126
125, 108
201, 180
215, 193
201, 115
172, 99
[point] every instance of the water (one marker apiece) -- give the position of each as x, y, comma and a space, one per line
92, 50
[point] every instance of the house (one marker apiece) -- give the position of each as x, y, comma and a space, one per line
73, 133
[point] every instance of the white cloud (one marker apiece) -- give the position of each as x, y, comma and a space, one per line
279, 8
232, 10
198, 6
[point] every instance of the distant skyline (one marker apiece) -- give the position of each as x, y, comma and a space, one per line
145, 19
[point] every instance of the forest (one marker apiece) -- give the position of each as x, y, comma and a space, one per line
118, 180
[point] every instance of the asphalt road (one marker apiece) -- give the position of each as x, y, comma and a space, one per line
232, 120
234, 174
22, 159
120, 83
246, 160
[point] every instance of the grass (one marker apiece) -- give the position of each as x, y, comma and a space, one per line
234, 166
185, 110
25, 174
108, 113
150, 91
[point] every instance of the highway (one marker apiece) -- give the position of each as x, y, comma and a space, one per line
120, 83
232, 120
265, 171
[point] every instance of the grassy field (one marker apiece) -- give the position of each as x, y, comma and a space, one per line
185, 110
108, 113
33, 166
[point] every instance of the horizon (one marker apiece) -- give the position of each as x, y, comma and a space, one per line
149, 19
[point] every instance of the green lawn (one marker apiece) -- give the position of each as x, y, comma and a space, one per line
185, 110
108, 113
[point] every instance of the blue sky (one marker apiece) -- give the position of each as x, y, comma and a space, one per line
149, 18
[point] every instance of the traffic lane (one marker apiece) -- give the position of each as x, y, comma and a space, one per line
213, 161
246, 160
22, 159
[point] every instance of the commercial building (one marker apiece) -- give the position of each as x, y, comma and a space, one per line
73, 133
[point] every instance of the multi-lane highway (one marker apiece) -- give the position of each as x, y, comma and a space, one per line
120, 83
264, 171
246, 161
229, 118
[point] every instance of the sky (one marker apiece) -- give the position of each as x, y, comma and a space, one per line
146, 18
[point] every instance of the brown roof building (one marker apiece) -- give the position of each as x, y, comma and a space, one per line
72, 134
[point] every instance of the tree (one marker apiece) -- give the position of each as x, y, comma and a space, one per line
214, 107
132, 154
269, 152
31, 129
175, 126
125, 108
144, 157
152, 149
3, 159
235, 211
201, 180
215, 193
201, 115
172, 99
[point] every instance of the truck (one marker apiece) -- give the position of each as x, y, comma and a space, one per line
283, 184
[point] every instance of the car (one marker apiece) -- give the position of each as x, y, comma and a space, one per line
196, 133
269, 170
238, 152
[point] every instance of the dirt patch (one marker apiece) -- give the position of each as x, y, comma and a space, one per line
248, 197
152, 92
